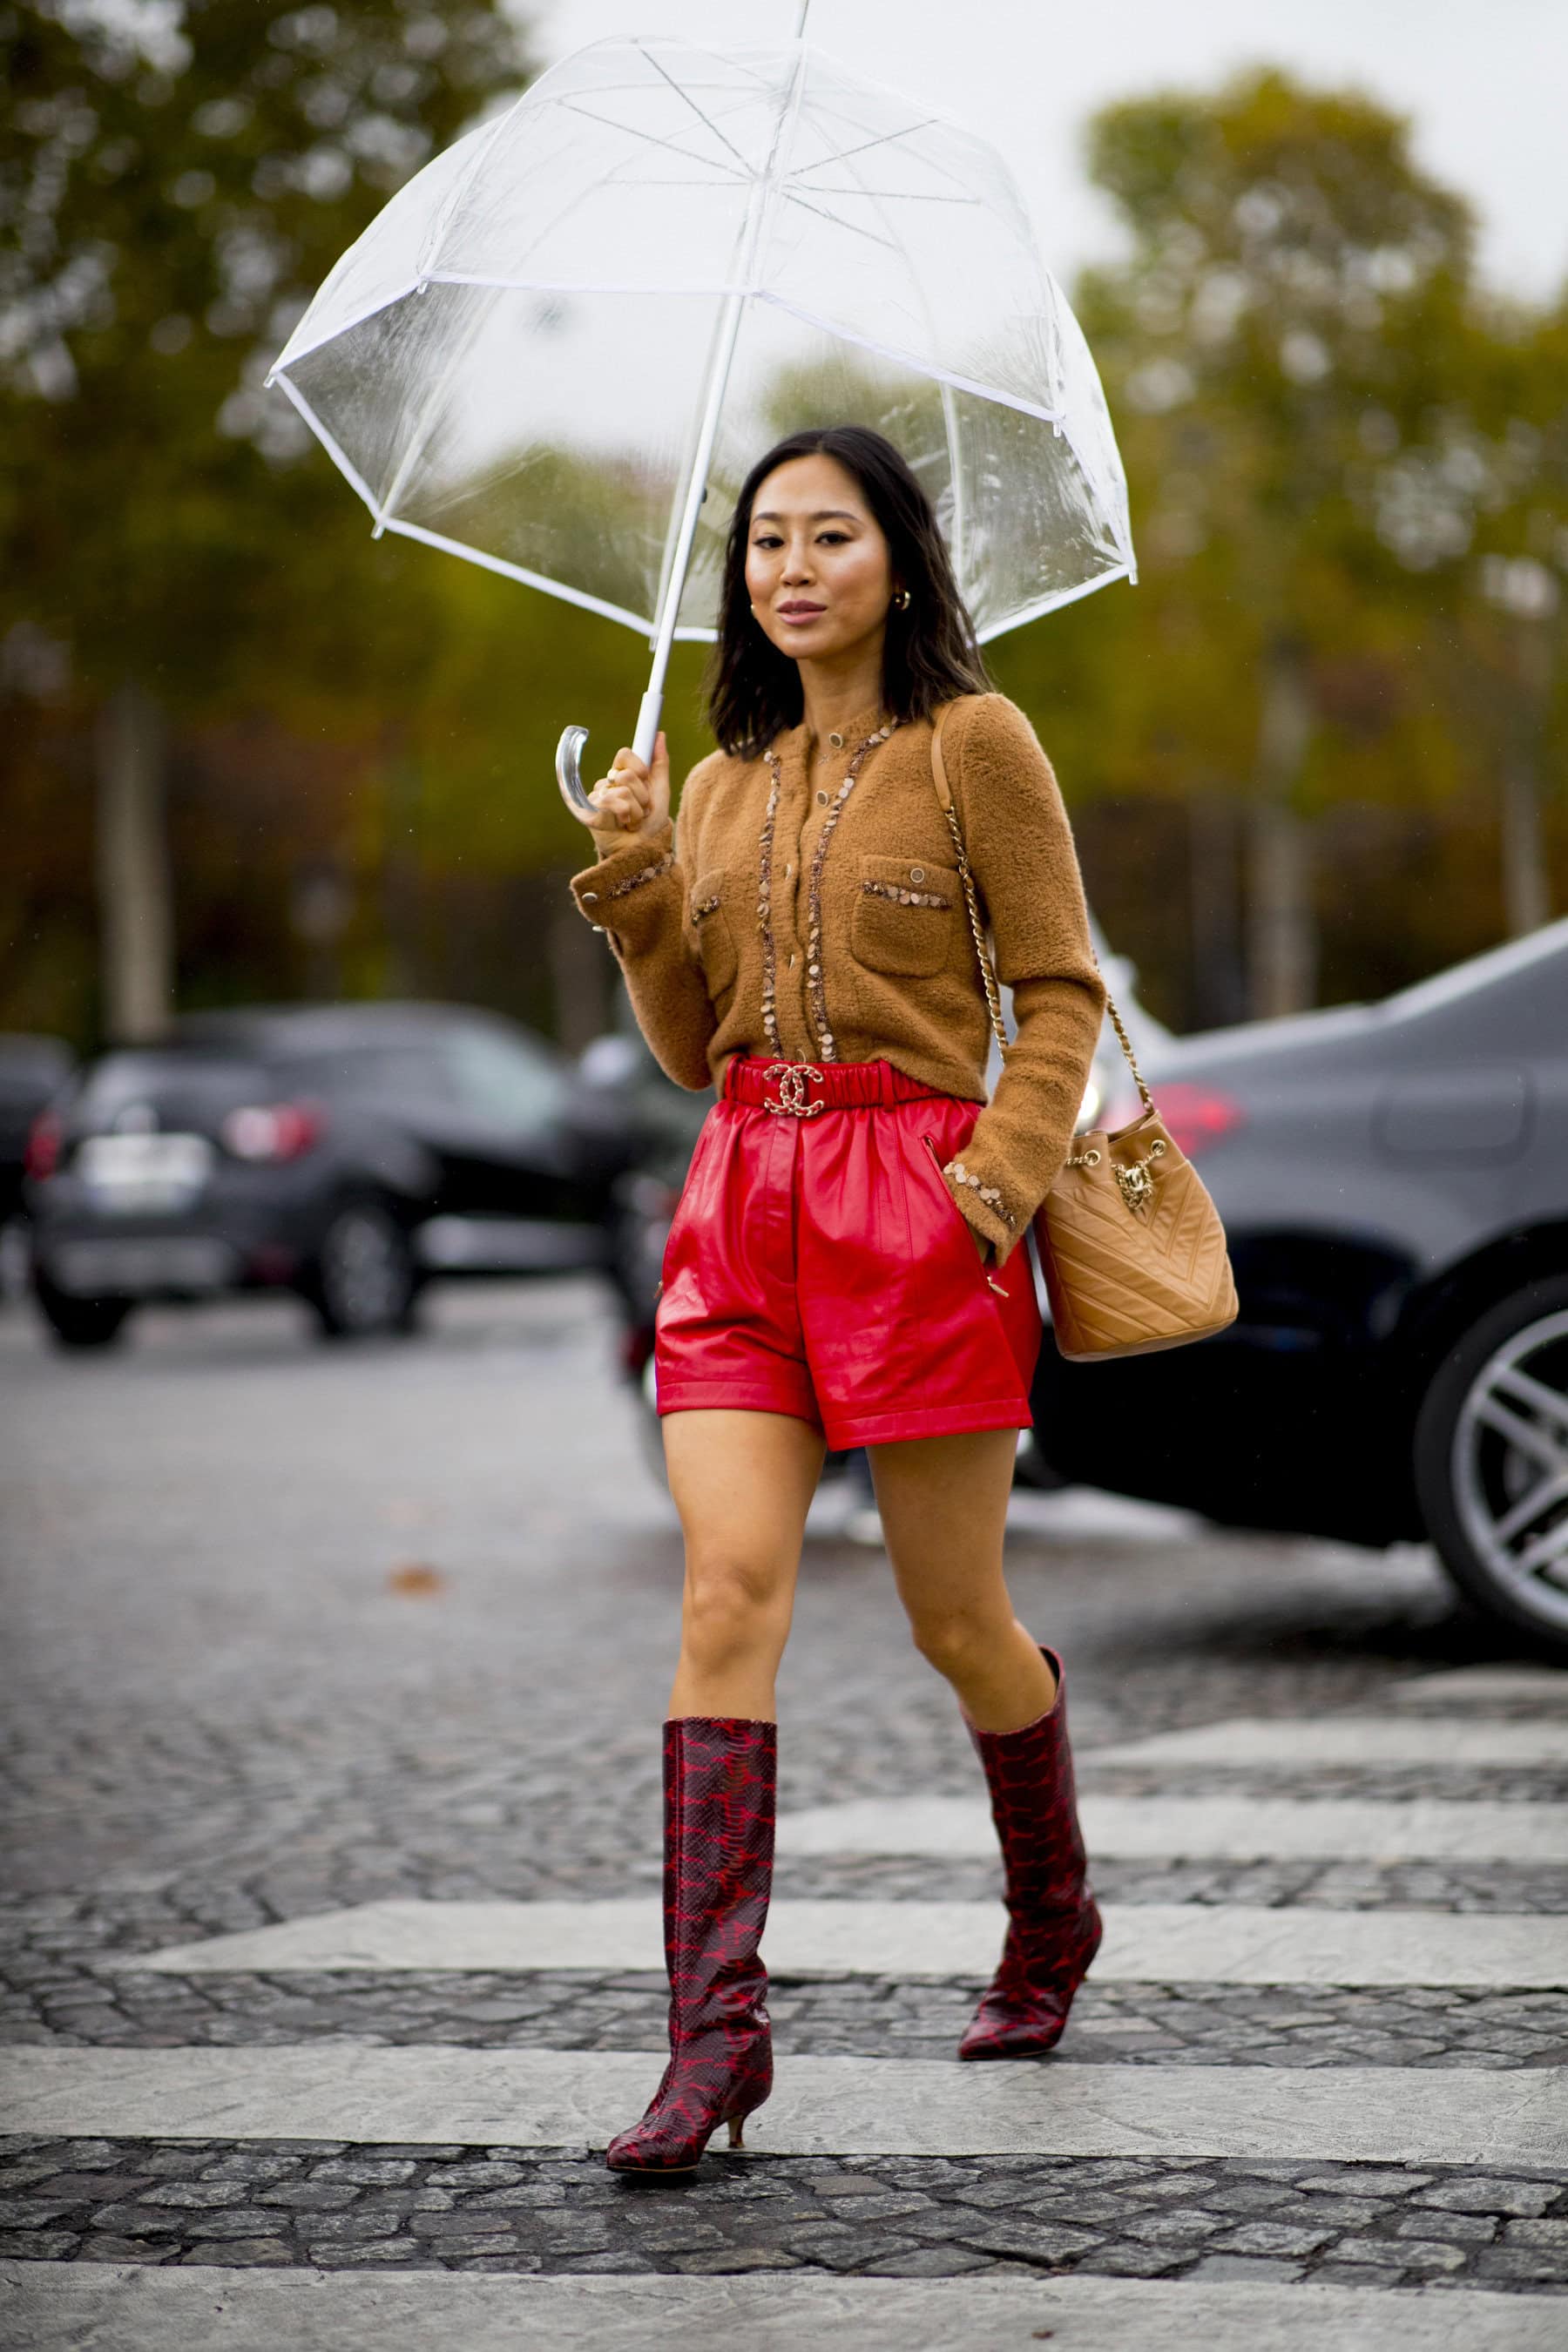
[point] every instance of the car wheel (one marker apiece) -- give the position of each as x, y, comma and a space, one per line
80, 1322
1491, 1462
364, 1280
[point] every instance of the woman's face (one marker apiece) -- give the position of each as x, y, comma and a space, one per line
818, 567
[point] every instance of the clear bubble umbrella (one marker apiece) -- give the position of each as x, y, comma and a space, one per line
560, 347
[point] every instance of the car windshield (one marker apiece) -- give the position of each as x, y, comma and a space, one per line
1540, 958
391, 1074
487, 1074
501, 1078
171, 1090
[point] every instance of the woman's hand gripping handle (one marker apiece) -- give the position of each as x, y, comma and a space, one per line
632, 803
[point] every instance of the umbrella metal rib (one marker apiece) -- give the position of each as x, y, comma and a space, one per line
655, 138
856, 228
686, 96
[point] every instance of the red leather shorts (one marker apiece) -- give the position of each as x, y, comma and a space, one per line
818, 1266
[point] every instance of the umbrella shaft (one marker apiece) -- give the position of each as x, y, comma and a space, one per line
648, 721
696, 491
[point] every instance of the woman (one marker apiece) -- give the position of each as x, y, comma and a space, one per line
843, 1267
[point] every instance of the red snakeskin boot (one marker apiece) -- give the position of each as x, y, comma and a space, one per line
719, 1775
1055, 1926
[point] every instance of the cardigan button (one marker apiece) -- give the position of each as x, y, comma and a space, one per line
836, 741
917, 874
822, 800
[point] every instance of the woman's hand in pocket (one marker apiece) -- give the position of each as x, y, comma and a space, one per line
982, 1246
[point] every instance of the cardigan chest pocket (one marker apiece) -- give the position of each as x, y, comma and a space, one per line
713, 937
905, 914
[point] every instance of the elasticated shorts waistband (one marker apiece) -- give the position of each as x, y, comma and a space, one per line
804, 1087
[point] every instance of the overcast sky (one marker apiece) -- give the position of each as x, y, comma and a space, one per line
1485, 81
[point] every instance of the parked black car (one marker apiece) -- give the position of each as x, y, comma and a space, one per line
1394, 1181
348, 1153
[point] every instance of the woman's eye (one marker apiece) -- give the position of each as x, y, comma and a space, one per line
767, 541
834, 538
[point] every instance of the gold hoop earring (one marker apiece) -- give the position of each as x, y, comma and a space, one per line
902, 600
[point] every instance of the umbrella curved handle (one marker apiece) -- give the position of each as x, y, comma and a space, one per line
568, 771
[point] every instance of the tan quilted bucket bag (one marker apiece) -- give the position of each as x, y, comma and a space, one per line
1131, 1245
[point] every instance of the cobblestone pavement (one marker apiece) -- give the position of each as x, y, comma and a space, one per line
327, 2204
230, 1705
1142, 2024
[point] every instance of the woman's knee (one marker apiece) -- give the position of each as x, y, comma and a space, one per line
953, 1640
735, 1608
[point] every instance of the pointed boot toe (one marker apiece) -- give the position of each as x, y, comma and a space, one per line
1030, 2017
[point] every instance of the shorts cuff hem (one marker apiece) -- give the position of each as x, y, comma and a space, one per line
927, 1421
728, 1396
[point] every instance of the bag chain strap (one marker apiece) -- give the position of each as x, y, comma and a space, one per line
987, 973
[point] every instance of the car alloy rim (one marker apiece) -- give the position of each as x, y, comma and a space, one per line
362, 1276
1510, 1465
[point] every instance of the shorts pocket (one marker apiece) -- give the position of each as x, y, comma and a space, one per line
712, 936
905, 912
954, 1213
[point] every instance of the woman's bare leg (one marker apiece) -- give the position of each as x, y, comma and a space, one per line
943, 1502
743, 1483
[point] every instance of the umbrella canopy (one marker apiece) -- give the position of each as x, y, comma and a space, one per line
657, 261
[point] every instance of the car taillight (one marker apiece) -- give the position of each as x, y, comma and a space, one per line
42, 1156
1194, 1115
272, 1131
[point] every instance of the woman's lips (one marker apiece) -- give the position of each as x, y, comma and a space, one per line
799, 614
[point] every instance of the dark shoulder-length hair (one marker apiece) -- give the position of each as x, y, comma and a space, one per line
929, 652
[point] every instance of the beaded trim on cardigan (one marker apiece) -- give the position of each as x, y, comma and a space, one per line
649, 873
987, 1192
817, 996
904, 897
764, 909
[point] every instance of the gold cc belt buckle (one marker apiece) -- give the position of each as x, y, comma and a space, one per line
793, 1080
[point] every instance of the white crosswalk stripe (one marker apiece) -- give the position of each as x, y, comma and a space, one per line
1144, 1943
820, 2106
1180, 1829
1354, 1739
62, 2308
856, 2108
1484, 1686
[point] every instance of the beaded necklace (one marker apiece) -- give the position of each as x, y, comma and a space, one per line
815, 995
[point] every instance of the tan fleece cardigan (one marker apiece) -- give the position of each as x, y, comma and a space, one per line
899, 976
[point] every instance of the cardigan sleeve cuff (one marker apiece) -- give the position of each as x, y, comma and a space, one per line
982, 1207
622, 895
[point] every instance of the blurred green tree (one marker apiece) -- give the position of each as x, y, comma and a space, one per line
175, 178
1321, 422
1506, 447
